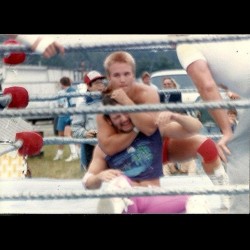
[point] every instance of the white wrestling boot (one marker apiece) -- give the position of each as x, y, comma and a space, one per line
197, 204
221, 178
115, 205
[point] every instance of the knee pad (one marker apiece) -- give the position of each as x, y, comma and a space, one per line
208, 151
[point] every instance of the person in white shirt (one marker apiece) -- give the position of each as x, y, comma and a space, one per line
227, 62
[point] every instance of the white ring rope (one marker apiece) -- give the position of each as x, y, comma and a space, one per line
135, 191
62, 141
133, 42
77, 94
65, 140
243, 103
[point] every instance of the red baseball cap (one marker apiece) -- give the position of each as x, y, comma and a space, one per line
92, 76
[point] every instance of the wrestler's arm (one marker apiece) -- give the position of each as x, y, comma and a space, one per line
202, 78
175, 125
143, 121
197, 68
45, 45
98, 171
109, 140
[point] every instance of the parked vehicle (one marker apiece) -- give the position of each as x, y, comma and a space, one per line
181, 77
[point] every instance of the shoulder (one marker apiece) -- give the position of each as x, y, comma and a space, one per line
154, 86
188, 53
144, 93
71, 89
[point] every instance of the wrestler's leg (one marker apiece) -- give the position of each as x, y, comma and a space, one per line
185, 149
159, 204
179, 150
145, 204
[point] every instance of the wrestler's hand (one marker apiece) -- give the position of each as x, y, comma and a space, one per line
164, 118
47, 47
115, 205
110, 174
222, 147
233, 95
121, 97
91, 133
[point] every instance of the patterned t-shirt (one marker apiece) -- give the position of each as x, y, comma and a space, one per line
142, 160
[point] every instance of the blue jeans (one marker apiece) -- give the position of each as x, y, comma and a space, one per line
210, 128
83, 161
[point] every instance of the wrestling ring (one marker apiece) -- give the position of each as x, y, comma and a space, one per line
68, 196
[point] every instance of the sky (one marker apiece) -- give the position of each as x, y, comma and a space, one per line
96, 39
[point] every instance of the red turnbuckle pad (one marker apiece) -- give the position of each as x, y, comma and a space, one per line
32, 143
14, 57
20, 97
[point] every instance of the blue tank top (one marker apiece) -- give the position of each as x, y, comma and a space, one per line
142, 160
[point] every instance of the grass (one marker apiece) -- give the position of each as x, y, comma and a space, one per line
45, 167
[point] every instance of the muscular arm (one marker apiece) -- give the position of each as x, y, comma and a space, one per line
97, 165
109, 140
112, 142
174, 125
144, 121
201, 76
99, 171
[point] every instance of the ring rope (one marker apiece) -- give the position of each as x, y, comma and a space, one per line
243, 103
62, 141
96, 93
132, 42
135, 191
14, 146
232, 189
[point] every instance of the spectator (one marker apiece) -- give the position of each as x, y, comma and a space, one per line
84, 126
209, 125
170, 83
145, 77
64, 121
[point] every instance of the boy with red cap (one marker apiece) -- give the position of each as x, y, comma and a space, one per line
84, 125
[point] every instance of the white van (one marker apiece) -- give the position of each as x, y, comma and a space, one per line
181, 77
